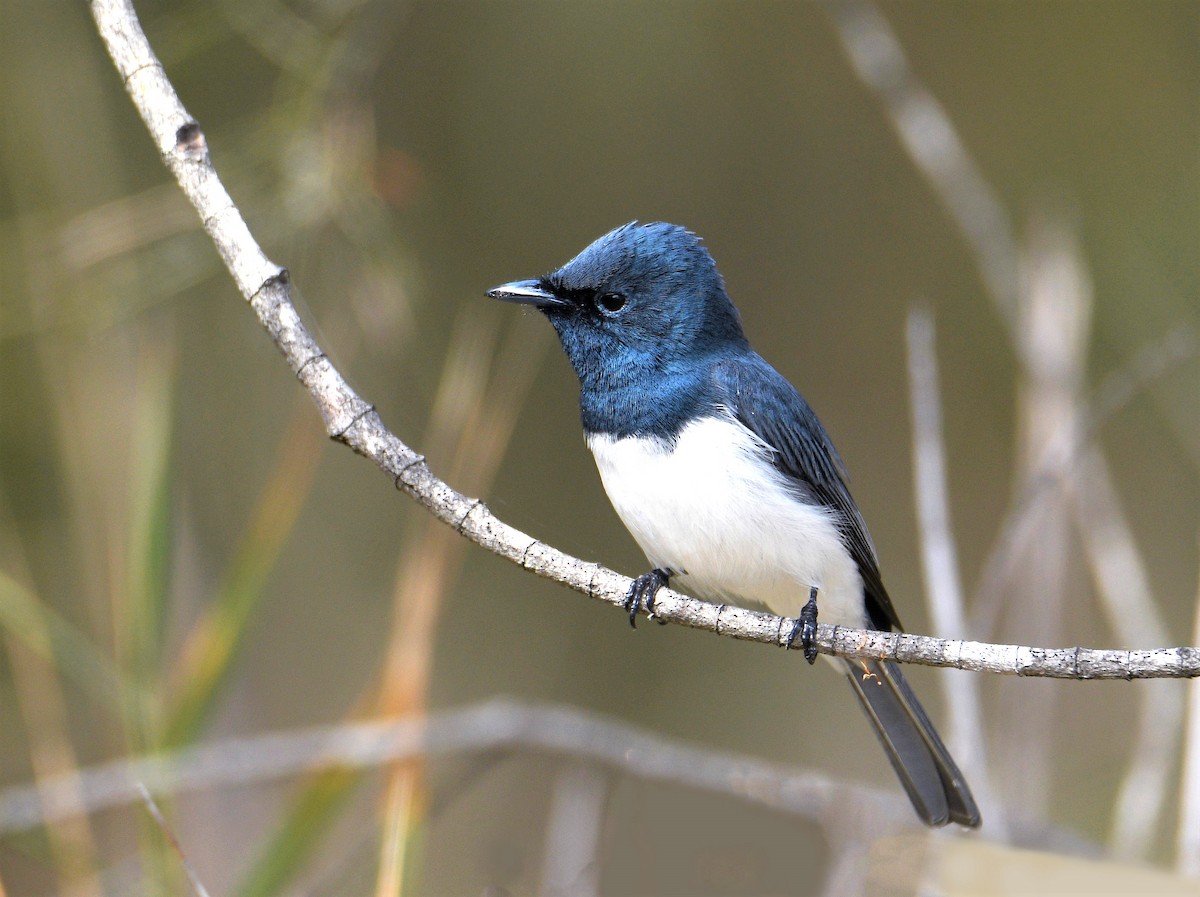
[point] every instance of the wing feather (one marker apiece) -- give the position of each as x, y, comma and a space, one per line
766, 403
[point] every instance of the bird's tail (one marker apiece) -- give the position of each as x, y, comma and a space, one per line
926, 770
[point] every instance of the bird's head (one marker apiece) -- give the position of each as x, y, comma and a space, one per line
642, 300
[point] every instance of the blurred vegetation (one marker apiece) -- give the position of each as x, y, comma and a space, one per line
183, 556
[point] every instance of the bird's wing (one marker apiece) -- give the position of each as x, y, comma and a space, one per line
767, 404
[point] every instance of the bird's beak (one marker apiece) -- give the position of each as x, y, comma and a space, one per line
527, 292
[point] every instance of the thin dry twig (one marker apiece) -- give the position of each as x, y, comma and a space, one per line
1151, 362
1046, 313
352, 421
943, 585
933, 144
1123, 586
157, 816
1050, 340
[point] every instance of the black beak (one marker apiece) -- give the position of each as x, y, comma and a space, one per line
527, 292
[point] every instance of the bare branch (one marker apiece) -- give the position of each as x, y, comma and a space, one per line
352, 421
934, 145
491, 726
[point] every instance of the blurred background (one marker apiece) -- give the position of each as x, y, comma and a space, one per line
185, 557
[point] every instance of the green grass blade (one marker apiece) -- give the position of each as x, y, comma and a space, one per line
56, 640
306, 820
212, 647
143, 613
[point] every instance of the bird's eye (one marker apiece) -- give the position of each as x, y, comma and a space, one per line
611, 302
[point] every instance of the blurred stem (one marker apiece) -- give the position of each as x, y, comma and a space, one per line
139, 583
1053, 320
1126, 599
915, 114
57, 641
51, 756
939, 557
212, 645
308, 818
140, 611
41, 649
169, 836
1187, 842
571, 861
400, 817
472, 423
426, 570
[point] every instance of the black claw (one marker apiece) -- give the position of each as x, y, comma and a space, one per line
642, 592
805, 628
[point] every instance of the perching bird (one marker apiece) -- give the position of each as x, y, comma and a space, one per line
722, 472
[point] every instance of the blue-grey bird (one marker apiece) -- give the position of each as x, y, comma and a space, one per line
722, 472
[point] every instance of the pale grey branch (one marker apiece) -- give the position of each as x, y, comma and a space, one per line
495, 725
352, 421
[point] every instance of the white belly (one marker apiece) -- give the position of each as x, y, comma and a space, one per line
713, 509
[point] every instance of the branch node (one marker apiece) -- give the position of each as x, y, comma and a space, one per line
419, 459
282, 277
306, 363
190, 143
525, 559
207, 223
153, 64
340, 434
720, 610
475, 503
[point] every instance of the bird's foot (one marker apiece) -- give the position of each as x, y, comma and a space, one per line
805, 628
642, 592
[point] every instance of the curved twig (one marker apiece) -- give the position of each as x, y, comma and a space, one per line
351, 420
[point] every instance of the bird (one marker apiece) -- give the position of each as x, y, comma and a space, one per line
723, 474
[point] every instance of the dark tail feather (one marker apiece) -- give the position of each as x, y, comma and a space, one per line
926, 770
